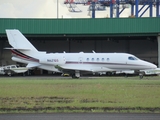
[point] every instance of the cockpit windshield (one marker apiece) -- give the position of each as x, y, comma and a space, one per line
132, 58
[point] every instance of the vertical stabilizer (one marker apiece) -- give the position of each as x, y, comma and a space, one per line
18, 41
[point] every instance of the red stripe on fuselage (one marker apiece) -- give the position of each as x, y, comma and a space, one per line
23, 56
18, 54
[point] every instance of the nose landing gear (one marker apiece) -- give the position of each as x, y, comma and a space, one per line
141, 74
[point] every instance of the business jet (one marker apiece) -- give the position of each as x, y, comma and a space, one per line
12, 69
74, 64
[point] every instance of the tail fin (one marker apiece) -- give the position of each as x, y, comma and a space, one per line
18, 41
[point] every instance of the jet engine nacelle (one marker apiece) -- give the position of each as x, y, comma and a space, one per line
53, 60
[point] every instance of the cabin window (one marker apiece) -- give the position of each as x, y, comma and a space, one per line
97, 59
87, 59
107, 59
92, 59
102, 59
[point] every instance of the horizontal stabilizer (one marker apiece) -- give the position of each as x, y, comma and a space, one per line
18, 49
31, 65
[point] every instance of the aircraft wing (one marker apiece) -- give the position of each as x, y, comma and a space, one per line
83, 68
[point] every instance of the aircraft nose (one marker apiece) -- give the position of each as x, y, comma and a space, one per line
153, 66
149, 65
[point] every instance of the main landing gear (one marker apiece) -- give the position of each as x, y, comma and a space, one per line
76, 74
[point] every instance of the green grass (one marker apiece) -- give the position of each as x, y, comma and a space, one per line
71, 95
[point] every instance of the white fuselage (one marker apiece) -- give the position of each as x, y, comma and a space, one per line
93, 62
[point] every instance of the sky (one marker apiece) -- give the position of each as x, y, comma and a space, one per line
48, 9
31, 9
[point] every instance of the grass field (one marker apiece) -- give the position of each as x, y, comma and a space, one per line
109, 94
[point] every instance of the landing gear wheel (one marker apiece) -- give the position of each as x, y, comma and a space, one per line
74, 77
76, 74
141, 75
126, 75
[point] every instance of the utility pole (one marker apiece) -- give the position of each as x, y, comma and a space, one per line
57, 9
93, 9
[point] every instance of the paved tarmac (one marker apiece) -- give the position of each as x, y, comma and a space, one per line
80, 116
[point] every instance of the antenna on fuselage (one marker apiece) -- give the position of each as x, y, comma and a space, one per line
93, 51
